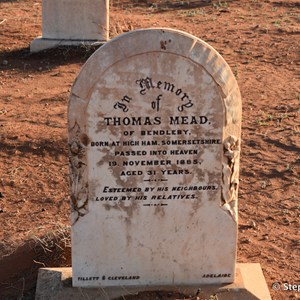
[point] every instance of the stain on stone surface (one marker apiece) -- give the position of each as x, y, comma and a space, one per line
79, 187
159, 210
84, 139
163, 45
230, 175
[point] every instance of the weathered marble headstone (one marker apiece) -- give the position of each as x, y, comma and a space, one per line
72, 22
154, 137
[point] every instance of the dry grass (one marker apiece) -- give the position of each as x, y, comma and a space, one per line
52, 247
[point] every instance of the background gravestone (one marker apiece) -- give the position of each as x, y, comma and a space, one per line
72, 22
154, 136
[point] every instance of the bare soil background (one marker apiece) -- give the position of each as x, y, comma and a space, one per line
259, 40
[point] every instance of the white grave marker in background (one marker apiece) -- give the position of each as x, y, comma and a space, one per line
154, 137
72, 22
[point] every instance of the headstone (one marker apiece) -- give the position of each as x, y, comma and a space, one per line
154, 137
72, 22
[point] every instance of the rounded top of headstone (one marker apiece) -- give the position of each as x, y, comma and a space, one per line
155, 40
142, 45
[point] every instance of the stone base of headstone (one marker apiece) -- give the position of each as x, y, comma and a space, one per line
250, 284
40, 43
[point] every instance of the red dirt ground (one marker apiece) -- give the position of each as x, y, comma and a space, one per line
260, 41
